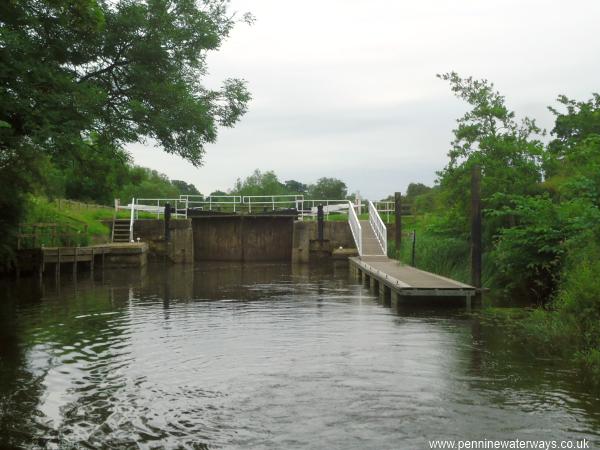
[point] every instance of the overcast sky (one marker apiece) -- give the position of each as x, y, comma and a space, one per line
347, 88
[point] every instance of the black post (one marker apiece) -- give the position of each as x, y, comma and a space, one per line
414, 242
476, 226
320, 219
167, 220
398, 218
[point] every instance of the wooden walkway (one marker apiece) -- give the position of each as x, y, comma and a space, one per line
396, 282
36, 259
370, 243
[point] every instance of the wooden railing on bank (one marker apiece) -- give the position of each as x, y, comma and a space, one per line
35, 235
62, 203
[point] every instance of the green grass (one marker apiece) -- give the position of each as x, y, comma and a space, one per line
81, 222
447, 256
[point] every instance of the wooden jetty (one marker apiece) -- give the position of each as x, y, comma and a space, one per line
396, 283
113, 255
392, 280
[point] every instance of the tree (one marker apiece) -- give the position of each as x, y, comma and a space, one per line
123, 70
185, 188
328, 189
118, 71
295, 187
415, 189
508, 150
576, 144
260, 183
147, 183
80, 172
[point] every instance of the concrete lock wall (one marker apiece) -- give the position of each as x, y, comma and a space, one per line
179, 248
307, 246
243, 238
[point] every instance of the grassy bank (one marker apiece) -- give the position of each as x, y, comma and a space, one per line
433, 252
76, 223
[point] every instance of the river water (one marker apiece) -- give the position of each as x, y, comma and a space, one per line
264, 356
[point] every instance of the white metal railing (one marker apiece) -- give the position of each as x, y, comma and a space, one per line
292, 201
378, 227
236, 203
157, 206
211, 202
131, 220
355, 227
310, 207
387, 207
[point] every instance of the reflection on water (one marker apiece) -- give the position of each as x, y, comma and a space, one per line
263, 355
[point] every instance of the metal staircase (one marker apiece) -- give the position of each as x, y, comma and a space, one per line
370, 235
370, 244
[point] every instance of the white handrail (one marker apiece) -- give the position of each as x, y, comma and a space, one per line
355, 227
378, 227
157, 206
212, 201
131, 220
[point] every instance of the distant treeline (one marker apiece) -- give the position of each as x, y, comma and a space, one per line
77, 179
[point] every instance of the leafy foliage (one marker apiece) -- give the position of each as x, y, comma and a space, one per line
122, 70
328, 188
80, 79
260, 183
541, 216
489, 135
185, 188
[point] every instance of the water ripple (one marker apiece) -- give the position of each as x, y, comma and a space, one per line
270, 358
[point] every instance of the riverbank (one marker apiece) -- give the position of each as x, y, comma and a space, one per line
566, 326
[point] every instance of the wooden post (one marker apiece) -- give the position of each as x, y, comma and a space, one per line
42, 266
476, 226
320, 219
75, 261
57, 266
398, 217
167, 216
92, 262
414, 242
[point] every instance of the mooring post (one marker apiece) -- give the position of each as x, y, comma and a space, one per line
476, 226
414, 243
75, 254
320, 220
57, 266
92, 263
398, 218
167, 220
